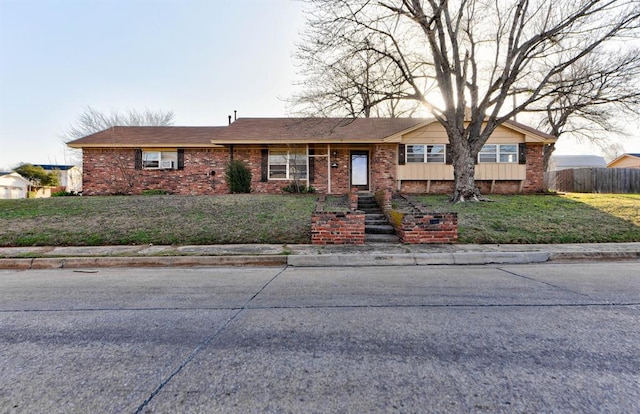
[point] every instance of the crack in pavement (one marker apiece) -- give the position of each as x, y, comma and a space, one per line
199, 348
549, 284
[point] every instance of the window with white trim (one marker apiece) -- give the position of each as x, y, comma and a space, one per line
505, 153
426, 153
288, 164
160, 160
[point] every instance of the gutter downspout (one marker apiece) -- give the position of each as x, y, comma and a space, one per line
329, 168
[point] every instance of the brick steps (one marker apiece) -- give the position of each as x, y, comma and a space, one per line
377, 227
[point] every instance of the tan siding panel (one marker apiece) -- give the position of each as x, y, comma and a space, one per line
504, 171
423, 171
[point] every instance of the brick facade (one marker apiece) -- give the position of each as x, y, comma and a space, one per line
112, 171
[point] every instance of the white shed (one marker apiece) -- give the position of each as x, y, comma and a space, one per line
13, 185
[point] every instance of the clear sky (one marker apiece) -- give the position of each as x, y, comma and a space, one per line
201, 59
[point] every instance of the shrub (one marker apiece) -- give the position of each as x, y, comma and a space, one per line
238, 177
64, 194
298, 188
155, 192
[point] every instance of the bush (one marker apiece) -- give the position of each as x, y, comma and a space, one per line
298, 188
64, 194
155, 192
238, 177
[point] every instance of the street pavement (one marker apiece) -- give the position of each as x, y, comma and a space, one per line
306, 255
552, 337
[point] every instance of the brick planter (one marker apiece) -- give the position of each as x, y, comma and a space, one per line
416, 225
336, 227
423, 228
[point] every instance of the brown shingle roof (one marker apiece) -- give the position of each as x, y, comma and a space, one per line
316, 129
149, 136
263, 131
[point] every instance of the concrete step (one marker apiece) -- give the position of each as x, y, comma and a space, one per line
379, 229
375, 216
375, 223
381, 238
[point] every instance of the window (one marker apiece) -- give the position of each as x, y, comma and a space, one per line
498, 153
165, 160
287, 165
426, 153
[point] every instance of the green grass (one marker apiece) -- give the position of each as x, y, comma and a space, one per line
160, 219
281, 219
570, 218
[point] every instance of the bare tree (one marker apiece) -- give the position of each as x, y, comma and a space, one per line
491, 60
92, 120
348, 79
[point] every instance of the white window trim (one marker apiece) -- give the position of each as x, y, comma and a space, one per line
425, 154
288, 175
498, 153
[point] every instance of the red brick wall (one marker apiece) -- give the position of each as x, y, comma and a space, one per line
340, 179
112, 171
535, 169
424, 228
337, 228
383, 167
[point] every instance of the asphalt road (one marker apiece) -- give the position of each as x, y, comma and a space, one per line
519, 338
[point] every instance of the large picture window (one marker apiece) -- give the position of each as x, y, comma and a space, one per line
426, 153
287, 164
506, 153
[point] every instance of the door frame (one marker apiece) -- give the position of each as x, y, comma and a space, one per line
364, 187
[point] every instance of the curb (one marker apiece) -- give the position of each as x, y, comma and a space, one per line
419, 259
164, 261
319, 260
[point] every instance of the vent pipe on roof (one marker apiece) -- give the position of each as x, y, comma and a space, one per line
229, 119
235, 115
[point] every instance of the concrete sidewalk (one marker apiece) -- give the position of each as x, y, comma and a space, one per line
306, 255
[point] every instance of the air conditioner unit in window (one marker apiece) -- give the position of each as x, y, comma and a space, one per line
166, 165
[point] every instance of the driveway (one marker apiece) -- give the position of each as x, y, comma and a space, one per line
528, 338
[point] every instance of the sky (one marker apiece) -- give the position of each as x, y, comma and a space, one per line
201, 59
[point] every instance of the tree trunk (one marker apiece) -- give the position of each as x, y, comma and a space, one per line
548, 151
464, 168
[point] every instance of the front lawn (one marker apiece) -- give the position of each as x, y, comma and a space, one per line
281, 219
242, 218
570, 218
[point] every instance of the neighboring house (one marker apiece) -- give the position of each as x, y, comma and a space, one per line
332, 155
13, 185
625, 161
70, 176
567, 162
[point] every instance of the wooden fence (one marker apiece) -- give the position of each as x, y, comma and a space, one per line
594, 180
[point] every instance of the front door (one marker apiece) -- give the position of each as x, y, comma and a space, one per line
360, 169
